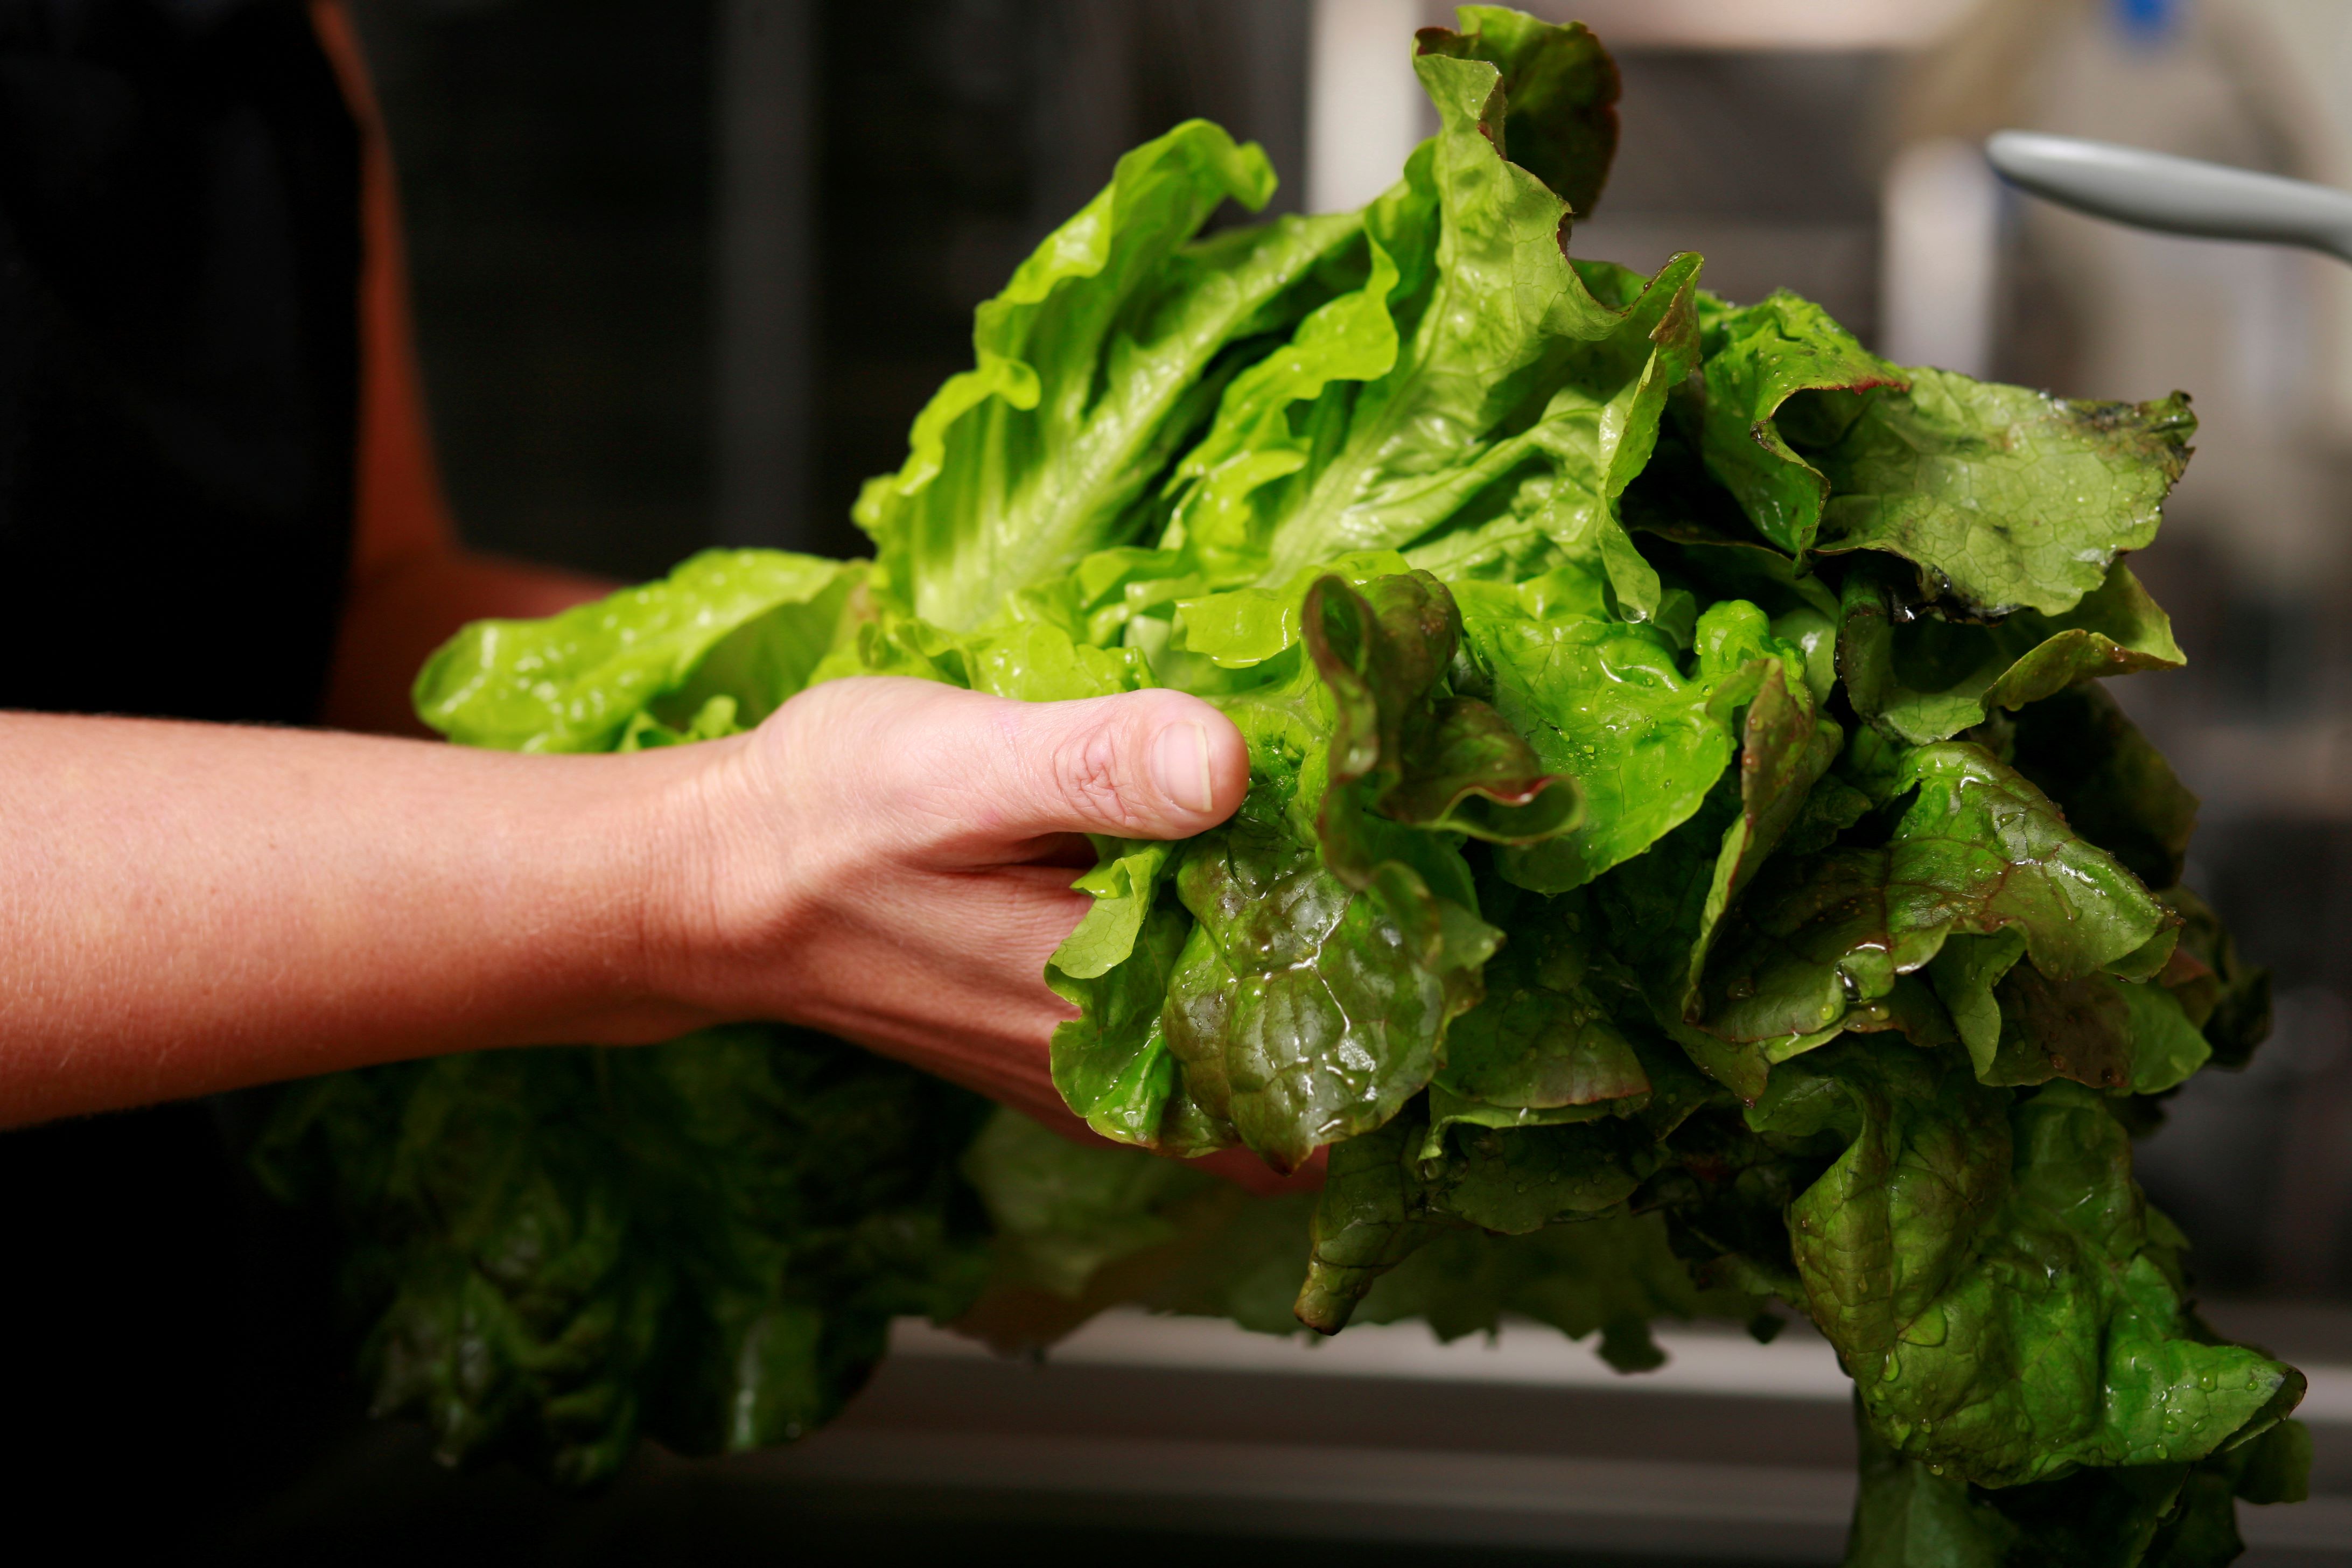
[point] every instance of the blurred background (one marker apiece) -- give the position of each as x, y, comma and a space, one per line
686, 270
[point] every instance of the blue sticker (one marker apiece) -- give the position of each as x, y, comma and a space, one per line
2147, 21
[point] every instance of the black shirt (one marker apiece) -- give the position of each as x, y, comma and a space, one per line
179, 261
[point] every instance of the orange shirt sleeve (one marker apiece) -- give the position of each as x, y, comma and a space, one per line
398, 509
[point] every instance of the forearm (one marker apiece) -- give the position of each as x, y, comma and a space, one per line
187, 908
400, 612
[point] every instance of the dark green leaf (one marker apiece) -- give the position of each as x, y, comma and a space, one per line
1915, 1515
2116, 790
1921, 677
1392, 1190
1541, 1041
1368, 1220
1785, 748
2094, 1029
703, 1241
1612, 1275
1061, 1210
1977, 850
1995, 1286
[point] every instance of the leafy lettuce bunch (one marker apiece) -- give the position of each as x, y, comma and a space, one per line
1688, 865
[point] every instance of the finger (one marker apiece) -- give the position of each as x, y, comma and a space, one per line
1143, 764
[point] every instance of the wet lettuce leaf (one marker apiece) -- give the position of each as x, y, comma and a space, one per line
2000, 498
1559, 88
1786, 747
1441, 1166
1544, 1044
1452, 380
1391, 1191
2006, 1303
1922, 677
1913, 1515
1401, 750
1336, 931
702, 1242
1643, 732
2084, 752
1093, 369
2004, 498
1688, 860
1976, 850
1781, 358
1304, 1010
758, 620
1112, 1063
1610, 1278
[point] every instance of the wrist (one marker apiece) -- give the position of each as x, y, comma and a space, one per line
635, 856
698, 884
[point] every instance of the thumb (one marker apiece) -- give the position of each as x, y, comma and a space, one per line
1143, 764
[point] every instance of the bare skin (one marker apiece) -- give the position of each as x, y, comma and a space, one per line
194, 908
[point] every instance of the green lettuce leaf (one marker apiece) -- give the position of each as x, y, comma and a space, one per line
1384, 1199
1561, 89
573, 682
2005, 498
2081, 751
2007, 1306
702, 1242
1112, 1063
1544, 1044
1061, 1211
1401, 750
1610, 706
1922, 678
1391, 411
1337, 930
1305, 1010
1781, 358
1093, 369
1785, 748
1613, 1276
2096, 1029
1391, 1192
1913, 1515
1368, 1219
1548, 495
1977, 850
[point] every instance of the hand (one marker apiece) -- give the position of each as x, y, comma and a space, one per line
890, 861
196, 908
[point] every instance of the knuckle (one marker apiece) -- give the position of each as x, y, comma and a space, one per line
1089, 773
